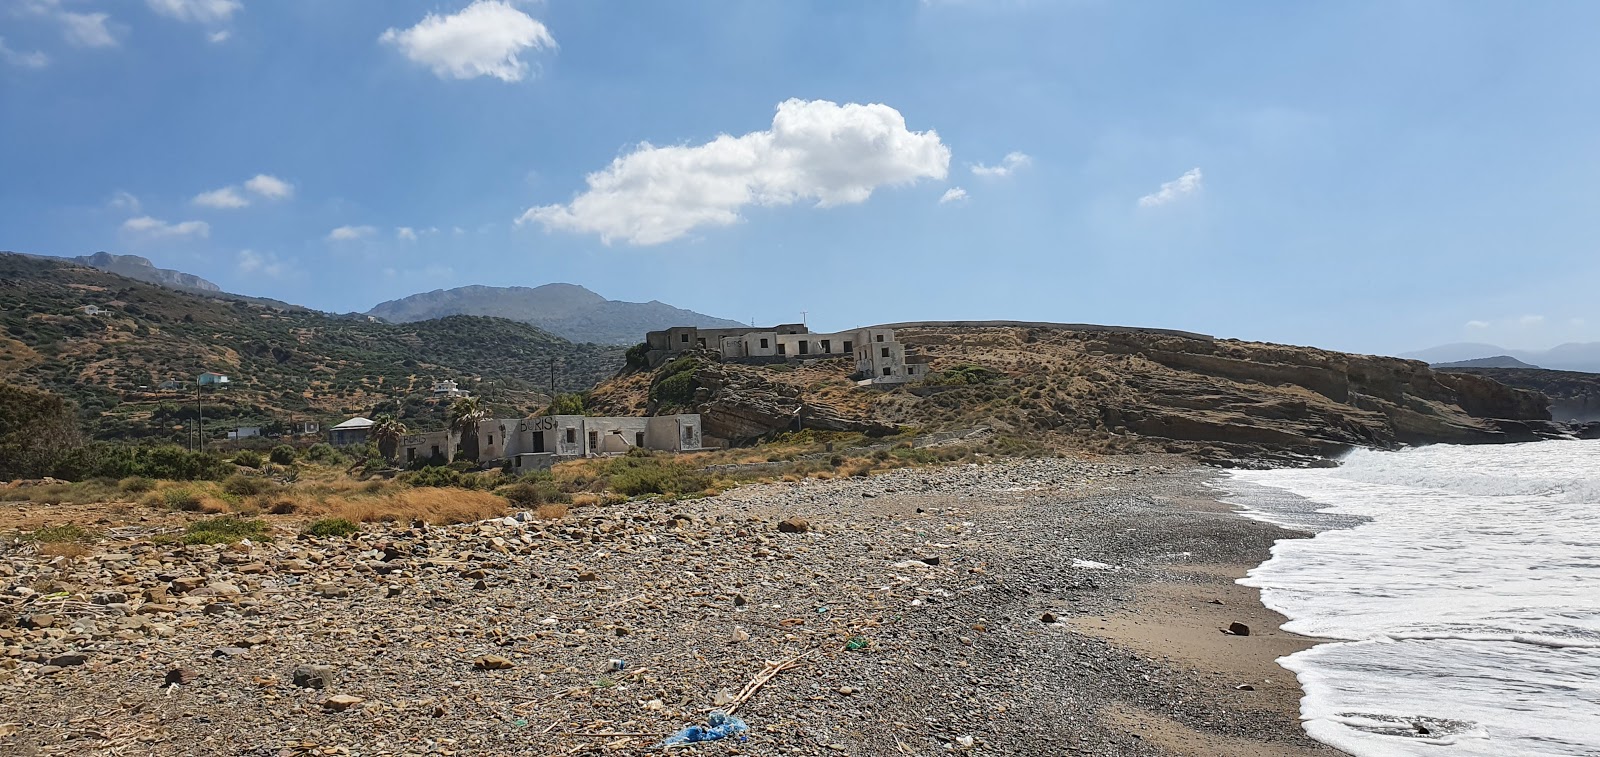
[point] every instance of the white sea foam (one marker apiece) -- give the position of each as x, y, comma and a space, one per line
1465, 585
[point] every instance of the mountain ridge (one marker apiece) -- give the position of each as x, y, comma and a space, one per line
570, 311
1583, 357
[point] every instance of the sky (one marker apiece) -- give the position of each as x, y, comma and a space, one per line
1365, 176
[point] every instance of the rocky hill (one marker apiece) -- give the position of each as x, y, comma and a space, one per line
1571, 356
107, 342
135, 267
1220, 400
1574, 396
567, 310
1498, 361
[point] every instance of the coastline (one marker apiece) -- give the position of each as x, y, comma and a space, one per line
947, 576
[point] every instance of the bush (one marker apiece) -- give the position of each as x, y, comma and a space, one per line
531, 493
247, 458
433, 475
332, 527
136, 484
181, 498
69, 532
321, 452
566, 404
282, 454
246, 486
225, 530
637, 357
636, 477
675, 384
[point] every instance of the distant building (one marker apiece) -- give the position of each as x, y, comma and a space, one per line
212, 379
438, 446
536, 441
245, 432
442, 389
879, 358
92, 310
307, 427
353, 431
170, 385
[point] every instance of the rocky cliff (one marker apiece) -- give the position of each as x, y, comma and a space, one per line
1574, 396
1219, 400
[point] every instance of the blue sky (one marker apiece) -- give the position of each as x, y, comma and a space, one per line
1367, 176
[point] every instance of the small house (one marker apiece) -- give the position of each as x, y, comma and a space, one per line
212, 379
442, 389
92, 310
353, 431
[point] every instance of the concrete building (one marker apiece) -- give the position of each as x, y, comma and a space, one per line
442, 389
212, 379
879, 358
538, 441
353, 431
428, 446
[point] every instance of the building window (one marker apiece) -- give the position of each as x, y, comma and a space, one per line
519, 461
435, 450
827, 346
684, 338
783, 349
848, 346
572, 436
885, 351
638, 440
763, 344
411, 454
880, 337
594, 440
888, 371
804, 346
491, 440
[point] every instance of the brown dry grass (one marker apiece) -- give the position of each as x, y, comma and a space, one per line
438, 506
64, 549
552, 511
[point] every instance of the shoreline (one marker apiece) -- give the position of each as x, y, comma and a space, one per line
945, 576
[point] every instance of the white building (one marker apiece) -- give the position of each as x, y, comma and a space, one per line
879, 358
566, 436
447, 388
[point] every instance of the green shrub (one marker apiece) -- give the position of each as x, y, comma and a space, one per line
247, 458
637, 356
531, 493
68, 532
246, 486
136, 484
566, 404
638, 476
675, 383
182, 498
433, 475
225, 529
282, 454
332, 527
321, 452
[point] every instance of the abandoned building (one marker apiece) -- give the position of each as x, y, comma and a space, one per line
880, 359
353, 431
536, 442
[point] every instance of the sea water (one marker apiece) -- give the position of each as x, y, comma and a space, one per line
1462, 584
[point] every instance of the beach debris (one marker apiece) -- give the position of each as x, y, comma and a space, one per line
964, 741
1217, 602
856, 644
1238, 629
179, 677
1048, 618
617, 663
1245, 687
719, 725
739, 634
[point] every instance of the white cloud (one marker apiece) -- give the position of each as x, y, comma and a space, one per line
34, 59
348, 233
157, 228
218, 38
1531, 320
224, 198
1187, 184
270, 187
1008, 165
484, 39
816, 150
197, 11
88, 29
1477, 324
254, 263
953, 194
122, 200
406, 233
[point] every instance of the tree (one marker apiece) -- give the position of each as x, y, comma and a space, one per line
36, 430
387, 431
465, 415
565, 404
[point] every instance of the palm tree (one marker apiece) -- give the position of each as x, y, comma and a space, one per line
387, 431
465, 415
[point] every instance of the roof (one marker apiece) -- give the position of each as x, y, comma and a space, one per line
356, 422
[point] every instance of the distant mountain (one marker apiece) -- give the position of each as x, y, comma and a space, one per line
135, 267
1572, 356
1498, 361
566, 310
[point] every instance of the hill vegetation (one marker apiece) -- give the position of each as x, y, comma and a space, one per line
106, 343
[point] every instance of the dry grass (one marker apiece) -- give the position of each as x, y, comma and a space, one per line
586, 499
64, 549
438, 506
552, 511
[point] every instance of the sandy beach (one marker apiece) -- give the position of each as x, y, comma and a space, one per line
1035, 607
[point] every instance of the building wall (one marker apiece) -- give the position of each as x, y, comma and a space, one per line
580, 436
413, 447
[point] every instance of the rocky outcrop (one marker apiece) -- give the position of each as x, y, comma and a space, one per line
1574, 396
738, 403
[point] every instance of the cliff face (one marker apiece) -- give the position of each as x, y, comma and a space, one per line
1128, 391
1574, 396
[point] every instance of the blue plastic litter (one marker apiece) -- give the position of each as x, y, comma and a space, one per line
719, 725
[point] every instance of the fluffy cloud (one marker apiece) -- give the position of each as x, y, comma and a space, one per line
405, 233
197, 11
484, 39
1531, 320
34, 59
1477, 324
270, 187
1008, 165
816, 150
156, 228
224, 198
1187, 184
218, 38
953, 194
254, 263
122, 200
348, 233
88, 29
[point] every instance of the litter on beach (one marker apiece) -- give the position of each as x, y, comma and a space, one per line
719, 725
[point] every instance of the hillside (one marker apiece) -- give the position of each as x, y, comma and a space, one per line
1498, 361
1571, 356
284, 363
1105, 391
566, 310
135, 267
1574, 396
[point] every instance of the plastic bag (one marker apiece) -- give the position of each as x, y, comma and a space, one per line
719, 725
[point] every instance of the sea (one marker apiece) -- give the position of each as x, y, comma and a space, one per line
1459, 587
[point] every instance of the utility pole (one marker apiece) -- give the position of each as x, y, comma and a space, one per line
552, 379
803, 319
200, 417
